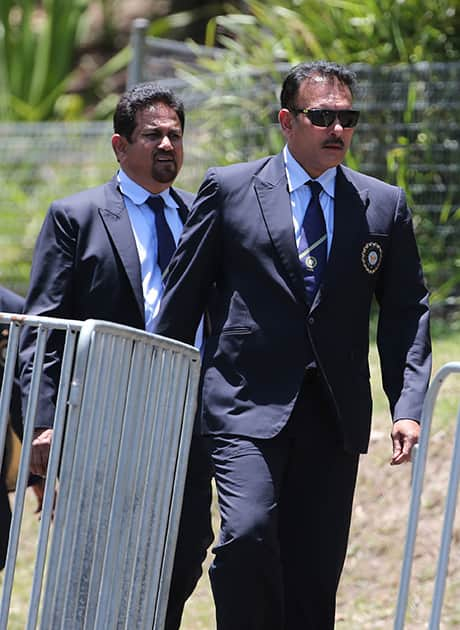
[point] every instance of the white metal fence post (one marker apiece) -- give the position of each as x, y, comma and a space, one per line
414, 510
122, 431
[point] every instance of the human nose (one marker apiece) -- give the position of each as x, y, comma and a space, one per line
337, 125
165, 144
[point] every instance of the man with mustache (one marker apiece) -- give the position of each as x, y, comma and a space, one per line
101, 253
287, 254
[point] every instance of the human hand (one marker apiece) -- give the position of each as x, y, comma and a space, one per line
40, 451
405, 435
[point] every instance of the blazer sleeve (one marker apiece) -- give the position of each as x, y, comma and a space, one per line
10, 302
49, 295
193, 268
403, 334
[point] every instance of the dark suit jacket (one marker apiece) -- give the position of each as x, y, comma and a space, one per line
10, 302
238, 257
85, 266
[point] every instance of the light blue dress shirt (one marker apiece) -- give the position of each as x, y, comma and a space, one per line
300, 195
143, 224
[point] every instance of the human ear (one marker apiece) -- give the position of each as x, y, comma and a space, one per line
285, 120
119, 145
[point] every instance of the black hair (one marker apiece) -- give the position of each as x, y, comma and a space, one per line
137, 99
309, 69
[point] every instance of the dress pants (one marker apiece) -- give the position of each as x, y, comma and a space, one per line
195, 532
285, 507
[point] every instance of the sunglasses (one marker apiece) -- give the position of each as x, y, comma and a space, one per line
325, 117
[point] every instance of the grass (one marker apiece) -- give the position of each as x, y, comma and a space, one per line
369, 587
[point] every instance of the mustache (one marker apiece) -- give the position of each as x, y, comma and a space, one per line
168, 154
333, 142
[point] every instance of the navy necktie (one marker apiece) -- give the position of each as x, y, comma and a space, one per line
313, 242
165, 238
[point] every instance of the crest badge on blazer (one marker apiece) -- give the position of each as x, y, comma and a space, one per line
371, 257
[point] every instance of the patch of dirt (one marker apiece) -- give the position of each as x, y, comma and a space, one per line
368, 592
370, 582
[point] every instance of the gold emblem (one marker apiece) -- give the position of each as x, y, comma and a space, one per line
310, 262
371, 257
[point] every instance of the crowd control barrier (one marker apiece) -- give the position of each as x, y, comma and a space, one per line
122, 431
449, 512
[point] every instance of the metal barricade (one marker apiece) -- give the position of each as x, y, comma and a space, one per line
122, 430
450, 508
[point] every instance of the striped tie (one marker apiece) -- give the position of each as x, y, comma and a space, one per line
313, 242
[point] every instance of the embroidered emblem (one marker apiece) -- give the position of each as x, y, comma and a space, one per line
371, 257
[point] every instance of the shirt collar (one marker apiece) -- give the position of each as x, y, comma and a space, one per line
297, 176
139, 195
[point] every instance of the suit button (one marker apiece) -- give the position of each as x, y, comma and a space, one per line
311, 321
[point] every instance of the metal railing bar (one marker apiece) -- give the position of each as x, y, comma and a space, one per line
417, 487
446, 538
52, 474
119, 426
22, 480
7, 384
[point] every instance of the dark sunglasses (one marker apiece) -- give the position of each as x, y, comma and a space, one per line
325, 117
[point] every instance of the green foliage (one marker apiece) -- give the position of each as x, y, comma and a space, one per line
37, 45
272, 36
370, 31
437, 231
39, 42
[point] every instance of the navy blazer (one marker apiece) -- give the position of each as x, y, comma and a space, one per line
238, 257
85, 265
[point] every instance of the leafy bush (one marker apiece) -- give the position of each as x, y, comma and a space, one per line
37, 46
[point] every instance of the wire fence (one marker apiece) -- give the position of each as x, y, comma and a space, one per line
409, 134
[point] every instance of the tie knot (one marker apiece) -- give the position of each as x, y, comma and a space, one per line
157, 204
315, 188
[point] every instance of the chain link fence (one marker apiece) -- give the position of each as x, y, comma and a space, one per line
409, 134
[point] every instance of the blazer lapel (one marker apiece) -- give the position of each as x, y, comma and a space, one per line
181, 206
118, 225
272, 192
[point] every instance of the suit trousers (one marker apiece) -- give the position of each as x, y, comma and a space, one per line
285, 506
195, 532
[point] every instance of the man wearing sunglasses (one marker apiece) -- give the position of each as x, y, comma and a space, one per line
288, 253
